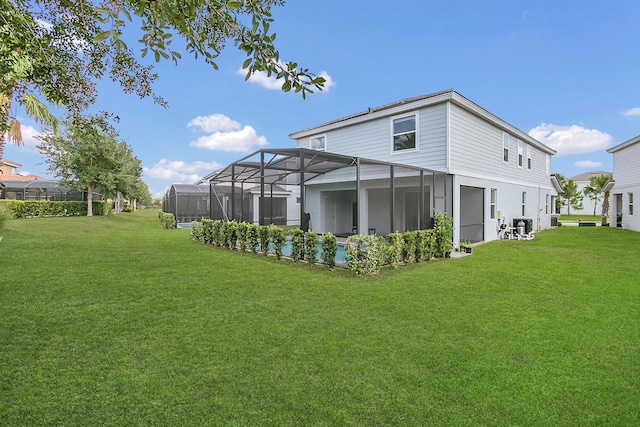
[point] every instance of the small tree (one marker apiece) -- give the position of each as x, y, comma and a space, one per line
442, 234
329, 249
595, 192
570, 196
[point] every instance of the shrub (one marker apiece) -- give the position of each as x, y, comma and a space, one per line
310, 247
197, 231
443, 234
394, 249
5, 215
216, 235
424, 245
329, 249
297, 244
264, 231
207, 231
228, 233
409, 247
168, 221
278, 238
253, 237
44, 208
242, 230
365, 253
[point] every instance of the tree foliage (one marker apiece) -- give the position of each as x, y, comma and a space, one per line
56, 50
570, 196
88, 155
595, 190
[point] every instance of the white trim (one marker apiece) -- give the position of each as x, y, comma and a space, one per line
323, 136
506, 138
415, 131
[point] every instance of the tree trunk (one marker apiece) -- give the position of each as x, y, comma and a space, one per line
105, 210
605, 209
89, 200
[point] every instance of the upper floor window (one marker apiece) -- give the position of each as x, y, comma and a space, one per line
404, 133
318, 143
520, 153
505, 147
528, 157
524, 203
630, 203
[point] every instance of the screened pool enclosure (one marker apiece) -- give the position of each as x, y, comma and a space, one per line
42, 189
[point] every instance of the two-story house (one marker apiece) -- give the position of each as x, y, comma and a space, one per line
387, 168
626, 183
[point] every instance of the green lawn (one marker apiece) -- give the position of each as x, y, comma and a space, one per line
114, 321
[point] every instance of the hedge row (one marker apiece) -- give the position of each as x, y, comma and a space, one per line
365, 254
44, 208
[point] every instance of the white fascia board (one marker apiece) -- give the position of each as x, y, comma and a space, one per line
624, 145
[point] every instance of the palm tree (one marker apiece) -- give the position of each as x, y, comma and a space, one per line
595, 191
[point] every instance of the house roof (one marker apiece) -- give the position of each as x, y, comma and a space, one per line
407, 104
21, 178
624, 145
586, 176
9, 163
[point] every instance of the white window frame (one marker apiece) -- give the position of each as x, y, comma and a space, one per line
546, 204
324, 140
524, 203
493, 203
393, 135
505, 147
528, 157
520, 154
630, 200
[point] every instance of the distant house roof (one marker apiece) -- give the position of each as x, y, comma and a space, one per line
420, 102
21, 178
9, 163
586, 177
624, 145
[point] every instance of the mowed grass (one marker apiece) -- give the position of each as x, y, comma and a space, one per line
114, 321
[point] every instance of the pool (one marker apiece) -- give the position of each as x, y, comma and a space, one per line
341, 255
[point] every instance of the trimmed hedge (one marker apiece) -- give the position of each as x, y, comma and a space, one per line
44, 208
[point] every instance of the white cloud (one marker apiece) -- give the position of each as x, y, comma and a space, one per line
240, 141
225, 134
634, 112
30, 135
270, 82
179, 172
214, 123
571, 139
587, 164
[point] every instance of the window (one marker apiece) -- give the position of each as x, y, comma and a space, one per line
520, 153
318, 143
528, 157
494, 197
505, 147
630, 203
524, 203
546, 204
404, 133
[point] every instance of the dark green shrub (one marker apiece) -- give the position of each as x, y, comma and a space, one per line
424, 245
243, 227
443, 234
253, 238
394, 249
168, 221
365, 253
310, 247
217, 236
278, 238
207, 231
409, 247
329, 249
297, 244
264, 231
197, 231
44, 208
228, 234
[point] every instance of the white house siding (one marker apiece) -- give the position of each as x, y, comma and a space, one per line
627, 180
372, 139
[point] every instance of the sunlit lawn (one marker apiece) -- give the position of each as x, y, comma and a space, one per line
114, 321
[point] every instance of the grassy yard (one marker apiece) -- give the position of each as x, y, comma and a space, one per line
114, 321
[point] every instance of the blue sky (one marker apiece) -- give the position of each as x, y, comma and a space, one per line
564, 71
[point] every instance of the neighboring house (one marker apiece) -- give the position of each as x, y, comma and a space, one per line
625, 184
386, 169
582, 181
8, 168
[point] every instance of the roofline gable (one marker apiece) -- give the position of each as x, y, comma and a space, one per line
624, 145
